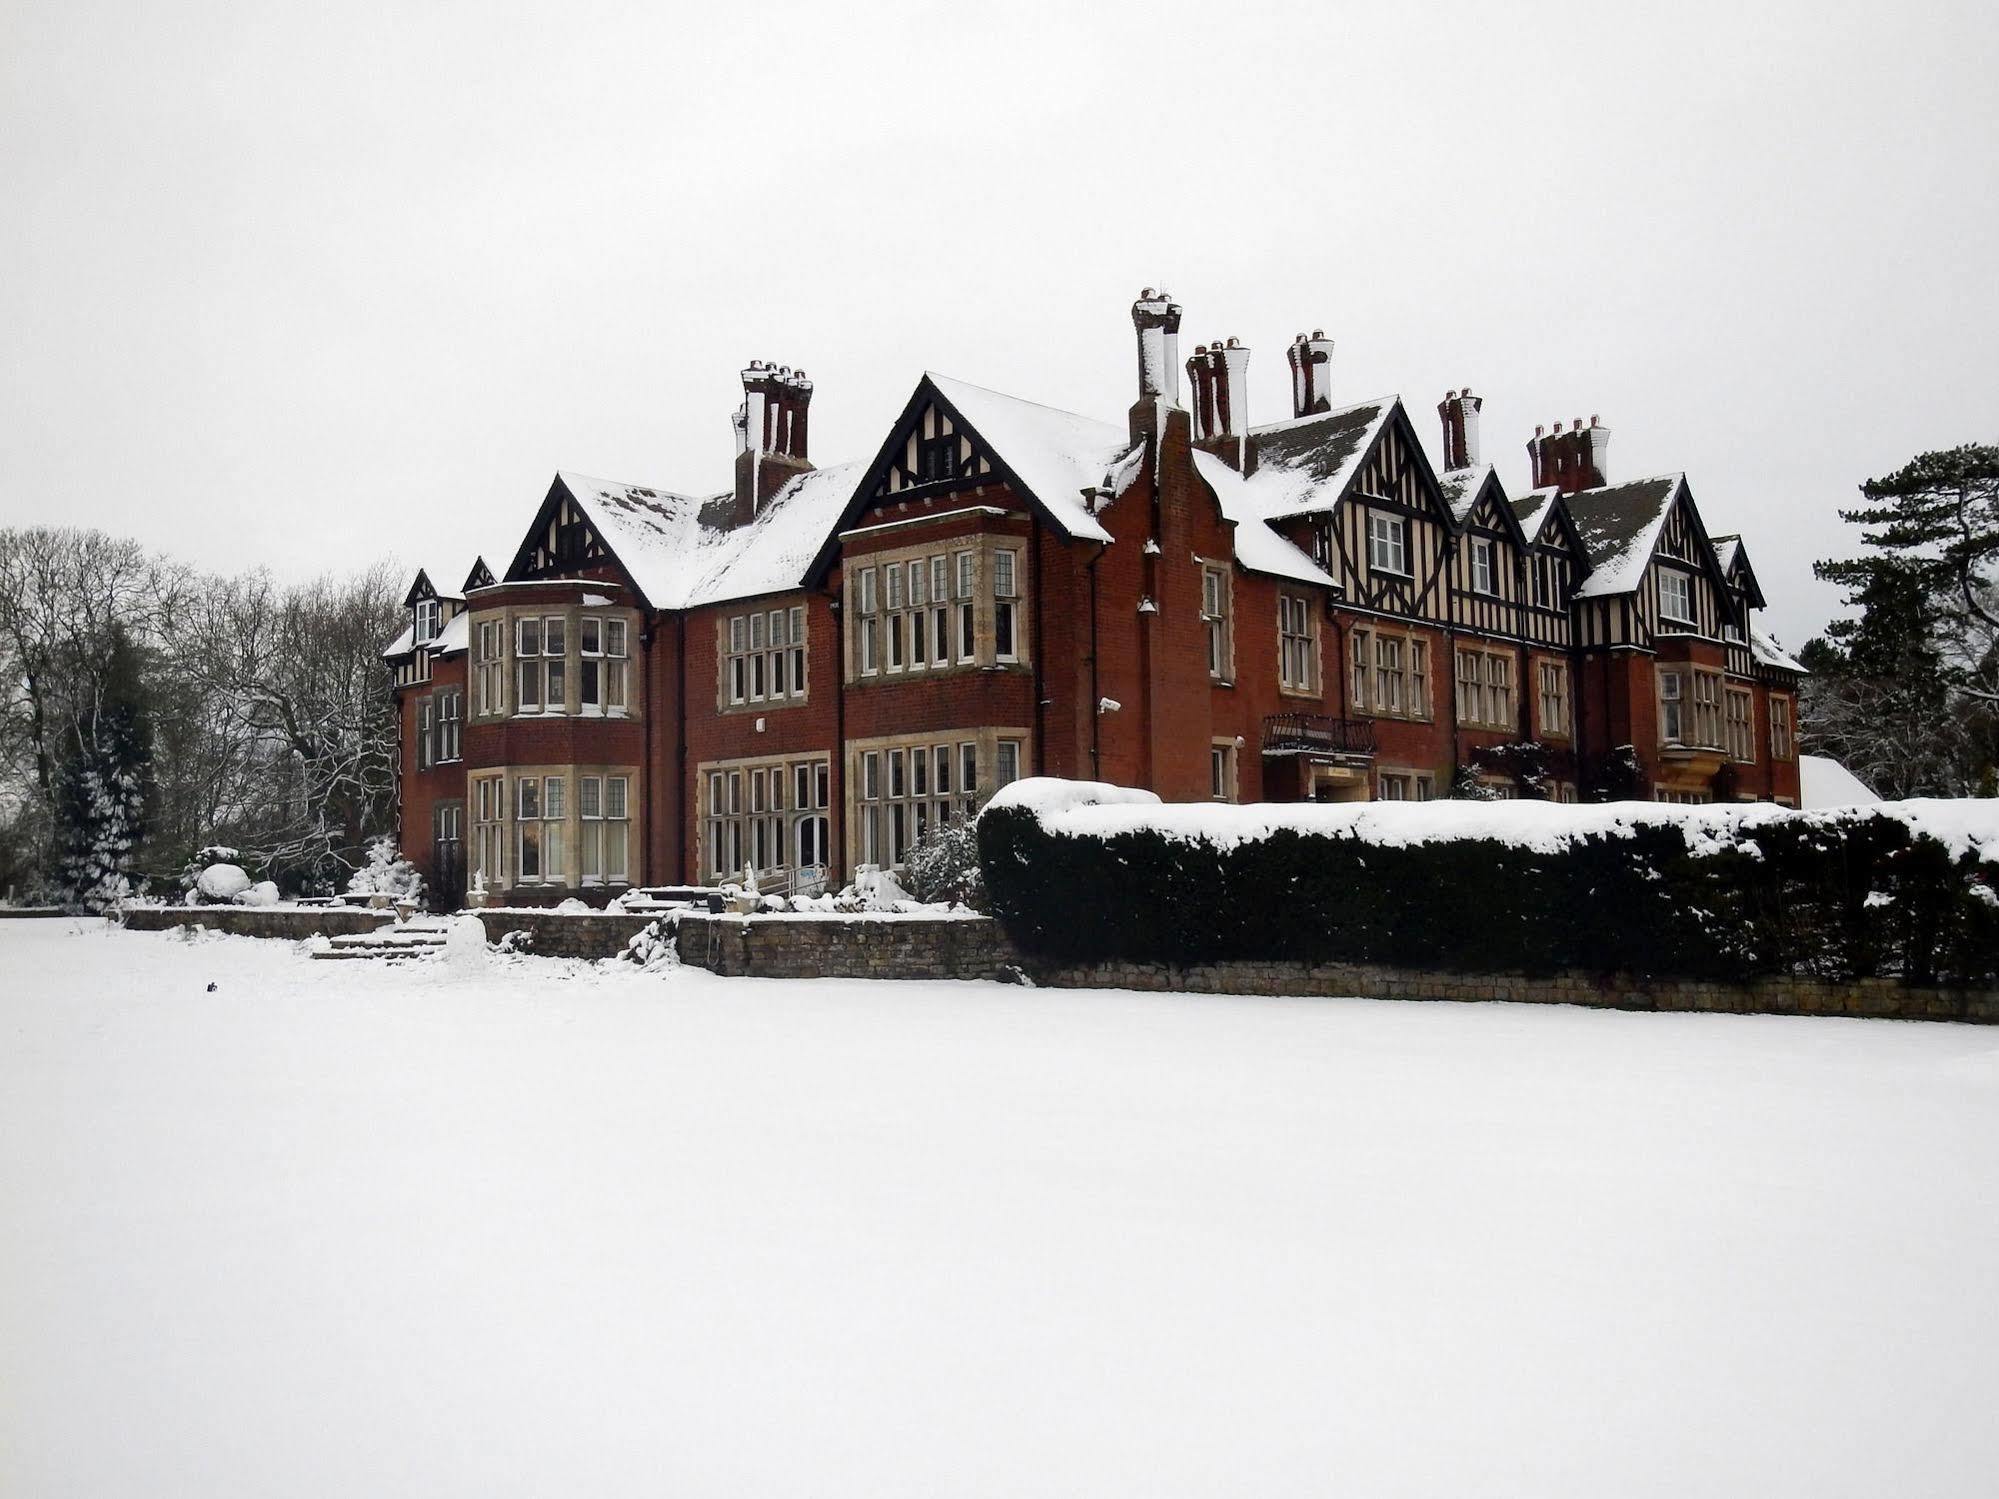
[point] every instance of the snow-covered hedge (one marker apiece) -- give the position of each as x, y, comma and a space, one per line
1093, 873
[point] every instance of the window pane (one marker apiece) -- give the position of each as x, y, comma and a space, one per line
589, 796
614, 796
552, 637
614, 637
591, 636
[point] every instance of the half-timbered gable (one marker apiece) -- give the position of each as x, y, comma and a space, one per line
1484, 572
1653, 570
1357, 478
1743, 595
1553, 567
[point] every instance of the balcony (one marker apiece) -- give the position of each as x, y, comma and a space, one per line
1317, 734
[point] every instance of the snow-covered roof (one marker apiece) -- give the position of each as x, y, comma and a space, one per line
1824, 782
1305, 464
1461, 487
1725, 550
1257, 546
403, 642
1764, 649
1620, 525
771, 554
453, 637
1055, 454
681, 552
656, 534
1532, 510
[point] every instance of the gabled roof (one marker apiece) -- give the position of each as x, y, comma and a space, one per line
1258, 547
1533, 510
1619, 525
1304, 465
1730, 554
1054, 455
679, 550
1461, 488
1763, 648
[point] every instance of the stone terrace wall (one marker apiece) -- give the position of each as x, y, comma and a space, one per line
860, 947
602, 934
257, 921
852, 947
1882, 999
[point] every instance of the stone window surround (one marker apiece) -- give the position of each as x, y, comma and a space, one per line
988, 741
743, 765
509, 777
1479, 717
985, 656
1223, 572
1362, 637
1542, 664
1314, 661
571, 611
794, 606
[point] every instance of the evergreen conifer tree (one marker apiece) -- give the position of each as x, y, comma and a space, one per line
104, 783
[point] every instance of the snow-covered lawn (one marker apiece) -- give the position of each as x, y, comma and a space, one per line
340, 1229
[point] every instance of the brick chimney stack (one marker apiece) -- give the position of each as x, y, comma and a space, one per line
1574, 460
771, 434
1311, 373
1156, 318
1220, 377
1459, 411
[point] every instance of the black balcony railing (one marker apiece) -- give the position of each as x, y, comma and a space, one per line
1317, 734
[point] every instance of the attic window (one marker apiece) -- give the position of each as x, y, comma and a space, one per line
427, 620
937, 459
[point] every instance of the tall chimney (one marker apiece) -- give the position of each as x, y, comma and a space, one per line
771, 434
1232, 413
1572, 460
1596, 440
1201, 389
1157, 318
1311, 373
1459, 411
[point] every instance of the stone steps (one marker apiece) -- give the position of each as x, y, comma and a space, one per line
391, 944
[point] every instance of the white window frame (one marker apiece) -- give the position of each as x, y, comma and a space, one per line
1388, 543
1682, 591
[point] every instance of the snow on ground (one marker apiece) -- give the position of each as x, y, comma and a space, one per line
521, 1227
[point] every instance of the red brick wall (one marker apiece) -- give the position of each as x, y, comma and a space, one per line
422, 790
795, 728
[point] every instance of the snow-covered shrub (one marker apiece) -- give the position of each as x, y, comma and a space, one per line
387, 872
1695, 892
943, 865
263, 893
1467, 787
653, 948
220, 883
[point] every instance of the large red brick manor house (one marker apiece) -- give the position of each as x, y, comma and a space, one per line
814, 666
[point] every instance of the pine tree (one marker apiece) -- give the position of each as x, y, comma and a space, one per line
104, 784
1933, 527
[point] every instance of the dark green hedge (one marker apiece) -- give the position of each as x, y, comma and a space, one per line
1798, 902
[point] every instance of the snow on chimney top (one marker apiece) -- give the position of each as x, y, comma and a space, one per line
1155, 316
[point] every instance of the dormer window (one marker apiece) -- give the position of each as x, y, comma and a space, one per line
428, 621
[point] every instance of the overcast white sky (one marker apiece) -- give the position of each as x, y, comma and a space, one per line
305, 285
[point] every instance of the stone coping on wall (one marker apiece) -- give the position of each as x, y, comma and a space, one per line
964, 945
288, 922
